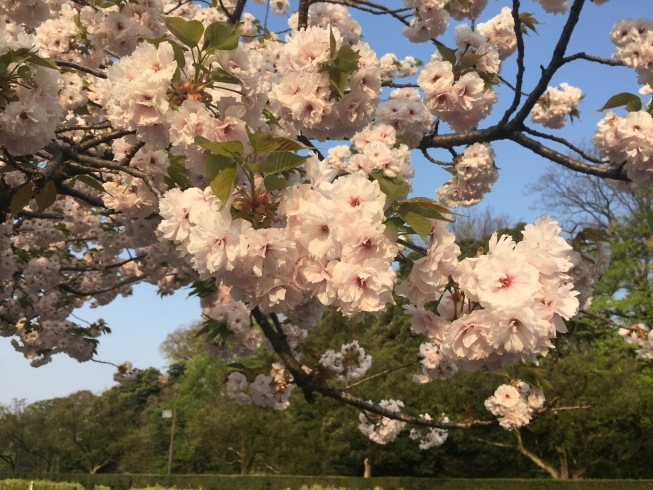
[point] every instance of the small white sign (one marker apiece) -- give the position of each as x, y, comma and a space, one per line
167, 414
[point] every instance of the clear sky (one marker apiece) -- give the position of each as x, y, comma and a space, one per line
142, 321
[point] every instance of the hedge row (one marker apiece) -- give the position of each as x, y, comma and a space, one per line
237, 482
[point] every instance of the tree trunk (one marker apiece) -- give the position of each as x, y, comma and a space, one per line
368, 468
564, 463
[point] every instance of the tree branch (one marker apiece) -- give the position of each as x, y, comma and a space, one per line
118, 285
383, 373
562, 141
578, 166
520, 64
595, 59
82, 68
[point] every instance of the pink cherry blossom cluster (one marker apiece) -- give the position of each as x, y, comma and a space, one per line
325, 15
554, 6
243, 340
430, 437
405, 111
508, 304
634, 41
467, 9
500, 32
348, 364
28, 123
266, 391
28, 12
374, 149
137, 92
628, 139
83, 252
431, 20
125, 372
430, 273
461, 100
391, 67
640, 336
303, 93
515, 404
555, 105
435, 365
379, 429
314, 254
524, 291
474, 174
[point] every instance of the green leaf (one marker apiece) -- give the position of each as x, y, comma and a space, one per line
261, 142
202, 289
25, 73
279, 162
91, 182
338, 79
222, 36
528, 20
427, 207
274, 182
469, 60
225, 148
178, 55
347, 59
47, 196
447, 54
21, 198
179, 176
392, 188
223, 184
220, 76
287, 144
238, 365
46, 62
489, 78
502, 372
216, 164
188, 32
420, 224
535, 377
631, 101
81, 111
396, 223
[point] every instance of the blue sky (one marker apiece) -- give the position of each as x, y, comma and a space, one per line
141, 322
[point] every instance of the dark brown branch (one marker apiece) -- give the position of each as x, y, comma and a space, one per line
125, 282
412, 246
82, 68
595, 59
309, 385
302, 14
102, 267
562, 141
47, 173
102, 125
520, 64
433, 160
234, 17
104, 138
399, 85
555, 63
565, 161
383, 373
69, 191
